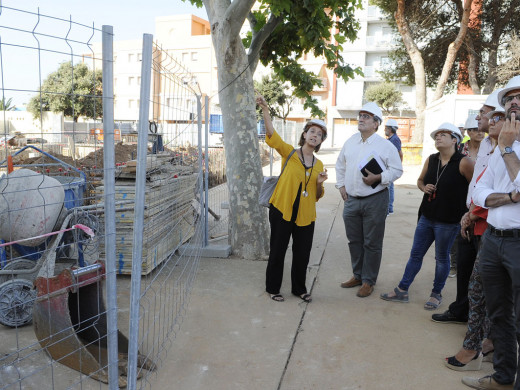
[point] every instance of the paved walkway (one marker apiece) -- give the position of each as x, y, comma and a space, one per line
235, 337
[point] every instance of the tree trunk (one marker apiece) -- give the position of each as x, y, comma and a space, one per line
419, 73
491, 79
472, 67
248, 223
452, 51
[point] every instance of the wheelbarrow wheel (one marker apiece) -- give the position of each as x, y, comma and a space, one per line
16, 302
18, 265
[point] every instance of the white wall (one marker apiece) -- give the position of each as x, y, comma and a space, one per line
50, 127
450, 108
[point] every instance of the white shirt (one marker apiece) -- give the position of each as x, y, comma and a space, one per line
354, 151
481, 162
497, 180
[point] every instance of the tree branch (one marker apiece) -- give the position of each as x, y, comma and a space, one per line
259, 39
452, 51
236, 14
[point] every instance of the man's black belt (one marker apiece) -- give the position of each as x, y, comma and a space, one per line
504, 232
368, 196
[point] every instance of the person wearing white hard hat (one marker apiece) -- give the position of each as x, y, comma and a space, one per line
466, 252
465, 137
477, 345
498, 191
444, 180
292, 209
476, 135
391, 128
366, 165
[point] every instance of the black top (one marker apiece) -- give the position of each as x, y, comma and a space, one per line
448, 204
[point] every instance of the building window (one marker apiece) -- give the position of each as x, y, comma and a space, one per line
138, 80
130, 80
131, 57
130, 103
194, 56
138, 56
185, 57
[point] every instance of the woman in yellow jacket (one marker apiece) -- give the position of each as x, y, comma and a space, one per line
293, 204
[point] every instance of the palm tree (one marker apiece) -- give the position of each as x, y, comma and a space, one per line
6, 105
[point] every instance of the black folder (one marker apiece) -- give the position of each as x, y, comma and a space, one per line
374, 167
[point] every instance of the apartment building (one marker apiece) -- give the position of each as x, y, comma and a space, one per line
187, 39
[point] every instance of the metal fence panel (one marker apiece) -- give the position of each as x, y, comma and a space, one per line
53, 217
109, 219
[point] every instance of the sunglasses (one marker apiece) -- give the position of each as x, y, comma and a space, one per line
497, 118
364, 116
507, 99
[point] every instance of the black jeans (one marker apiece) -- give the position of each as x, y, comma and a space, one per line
467, 253
281, 231
500, 272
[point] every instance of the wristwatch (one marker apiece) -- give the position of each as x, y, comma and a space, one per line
506, 150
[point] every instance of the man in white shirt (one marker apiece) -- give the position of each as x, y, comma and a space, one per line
366, 196
497, 190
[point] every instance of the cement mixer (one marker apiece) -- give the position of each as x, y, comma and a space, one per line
30, 206
33, 207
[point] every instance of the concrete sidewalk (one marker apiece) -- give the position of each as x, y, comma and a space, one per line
235, 337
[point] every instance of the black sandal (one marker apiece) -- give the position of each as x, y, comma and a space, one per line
306, 297
277, 297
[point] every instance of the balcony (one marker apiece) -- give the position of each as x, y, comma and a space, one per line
375, 13
380, 42
324, 85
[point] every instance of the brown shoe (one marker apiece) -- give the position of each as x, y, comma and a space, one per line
353, 282
365, 290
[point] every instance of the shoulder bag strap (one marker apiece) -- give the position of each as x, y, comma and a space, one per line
288, 157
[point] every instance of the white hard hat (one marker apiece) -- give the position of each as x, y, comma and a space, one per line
391, 123
511, 85
373, 109
471, 122
493, 100
319, 123
447, 126
499, 110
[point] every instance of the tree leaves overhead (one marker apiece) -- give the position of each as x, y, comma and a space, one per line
75, 91
434, 25
306, 28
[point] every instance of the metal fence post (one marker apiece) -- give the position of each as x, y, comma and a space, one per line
110, 207
201, 181
206, 176
140, 184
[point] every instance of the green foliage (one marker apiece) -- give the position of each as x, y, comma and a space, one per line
434, 24
5, 105
304, 28
75, 91
386, 95
275, 92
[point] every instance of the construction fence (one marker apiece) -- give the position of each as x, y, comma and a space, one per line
101, 235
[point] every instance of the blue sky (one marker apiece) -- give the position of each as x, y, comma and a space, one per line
130, 18
21, 65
